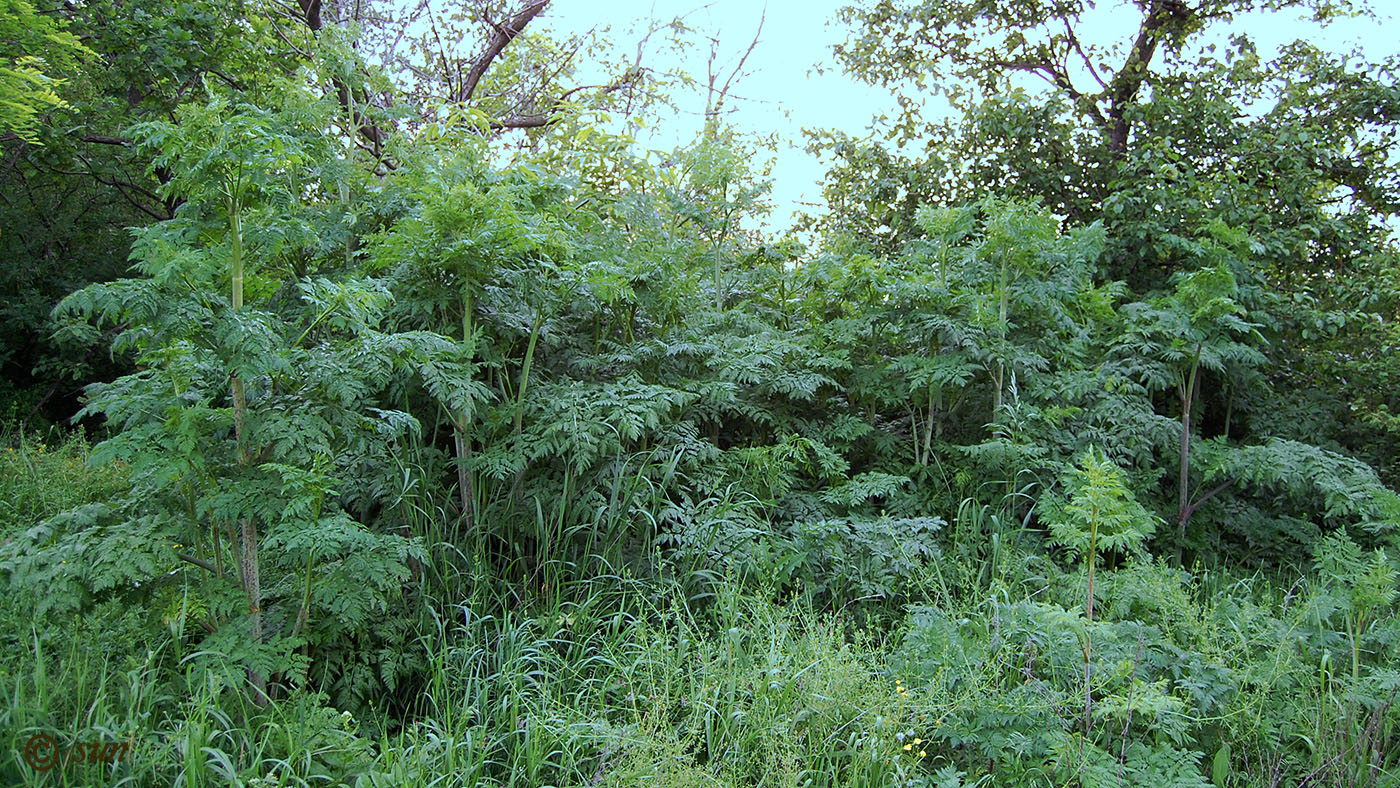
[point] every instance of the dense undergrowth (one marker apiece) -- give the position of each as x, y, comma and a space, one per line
972, 672
422, 460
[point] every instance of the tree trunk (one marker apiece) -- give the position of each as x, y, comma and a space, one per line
1127, 83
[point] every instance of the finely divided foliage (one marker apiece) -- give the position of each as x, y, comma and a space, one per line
437, 459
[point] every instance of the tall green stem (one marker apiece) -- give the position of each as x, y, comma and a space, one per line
248, 528
1355, 625
525, 374
1089, 617
717, 246
719, 290
1004, 309
1187, 392
935, 394
304, 611
520, 398
462, 427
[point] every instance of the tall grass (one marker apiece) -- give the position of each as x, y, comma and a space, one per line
555, 645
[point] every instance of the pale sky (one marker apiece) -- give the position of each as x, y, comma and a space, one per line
779, 91
783, 94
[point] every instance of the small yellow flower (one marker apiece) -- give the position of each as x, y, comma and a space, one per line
908, 746
922, 753
918, 741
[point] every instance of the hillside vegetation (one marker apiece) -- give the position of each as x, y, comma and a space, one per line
420, 443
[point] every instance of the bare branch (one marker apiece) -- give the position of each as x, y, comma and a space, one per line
714, 99
1190, 510
122, 187
233, 83
276, 28
1084, 56
524, 122
1058, 76
553, 116
504, 34
199, 562
101, 139
442, 52
728, 83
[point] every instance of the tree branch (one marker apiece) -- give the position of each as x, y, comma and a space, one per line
308, 12
199, 562
1190, 510
121, 187
713, 108
551, 117
524, 122
1129, 79
1078, 48
503, 36
102, 139
1058, 76
311, 13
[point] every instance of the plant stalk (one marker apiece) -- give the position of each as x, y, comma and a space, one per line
462, 427
248, 528
1187, 392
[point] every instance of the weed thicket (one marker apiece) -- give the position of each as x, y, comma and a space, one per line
975, 676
